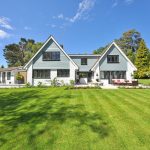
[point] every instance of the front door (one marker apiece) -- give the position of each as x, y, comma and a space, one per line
3, 77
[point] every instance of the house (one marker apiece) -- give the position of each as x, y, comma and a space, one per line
8, 75
51, 61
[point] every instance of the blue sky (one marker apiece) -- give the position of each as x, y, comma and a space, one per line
81, 25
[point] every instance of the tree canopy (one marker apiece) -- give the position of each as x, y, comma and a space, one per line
19, 54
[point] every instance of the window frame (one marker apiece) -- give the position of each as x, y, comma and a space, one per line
51, 55
39, 75
112, 59
84, 58
66, 75
9, 77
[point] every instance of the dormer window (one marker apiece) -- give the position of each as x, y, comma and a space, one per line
83, 61
51, 56
112, 58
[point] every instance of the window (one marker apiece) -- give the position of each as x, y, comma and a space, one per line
83, 61
41, 74
8, 75
113, 58
113, 74
51, 56
63, 73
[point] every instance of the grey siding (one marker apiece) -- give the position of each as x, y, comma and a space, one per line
122, 65
91, 60
64, 62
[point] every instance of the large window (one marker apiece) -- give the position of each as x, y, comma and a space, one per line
113, 74
83, 61
51, 56
113, 58
63, 73
41, 74
8, 75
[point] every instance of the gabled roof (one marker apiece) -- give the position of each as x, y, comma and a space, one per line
50, 38
85, 55
113, 43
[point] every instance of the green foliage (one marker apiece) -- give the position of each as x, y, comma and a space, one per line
19, 77
18, 54
142, 61
72, 83
28, 85
2, 66
54, 82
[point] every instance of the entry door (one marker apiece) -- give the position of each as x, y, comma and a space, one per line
109, 77
3, 77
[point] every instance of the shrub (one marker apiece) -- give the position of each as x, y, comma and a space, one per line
54, 82
72, 82
28, 85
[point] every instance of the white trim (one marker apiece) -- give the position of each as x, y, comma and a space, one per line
51, 37
113, 43
84, 55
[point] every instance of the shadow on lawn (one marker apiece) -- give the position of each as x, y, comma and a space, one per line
31, 108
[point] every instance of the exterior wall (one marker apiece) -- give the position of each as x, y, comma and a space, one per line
29, 74
130, 71
91, 60
53, 75
121, 66
38, 63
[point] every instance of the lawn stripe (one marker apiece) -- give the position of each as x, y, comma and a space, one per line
115, 140
138, 129
119, 114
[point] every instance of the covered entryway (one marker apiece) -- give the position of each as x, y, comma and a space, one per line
83, 77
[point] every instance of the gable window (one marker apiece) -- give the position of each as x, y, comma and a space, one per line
51, 56
83, 61
8, 75
41, 74
63, 73
113, 59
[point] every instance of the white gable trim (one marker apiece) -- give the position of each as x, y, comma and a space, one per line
119, 51
50, 38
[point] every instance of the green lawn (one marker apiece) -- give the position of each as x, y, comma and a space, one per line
85, 119
144, 81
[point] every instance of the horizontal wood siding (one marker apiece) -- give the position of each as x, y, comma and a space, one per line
64, 62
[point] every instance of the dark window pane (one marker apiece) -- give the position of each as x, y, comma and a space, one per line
83, 61
51, 56
8, 75
113, 58
63, 73
41, 74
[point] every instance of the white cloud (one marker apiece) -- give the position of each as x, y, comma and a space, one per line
60, 16
83, 9
4, 22
27, 28
53, 26
115, 3
4, 34
129, 1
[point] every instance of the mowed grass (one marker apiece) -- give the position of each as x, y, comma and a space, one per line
85, 119
144, 81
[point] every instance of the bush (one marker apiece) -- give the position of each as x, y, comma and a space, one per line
54, 82
28, 85
72, 82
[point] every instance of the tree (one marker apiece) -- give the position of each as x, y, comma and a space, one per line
129, 41
100, 50
20, 53
2, 66
141, 61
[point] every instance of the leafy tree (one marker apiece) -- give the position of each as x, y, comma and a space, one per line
2, 66
20, 53
141, 61
129, 41
100, 50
